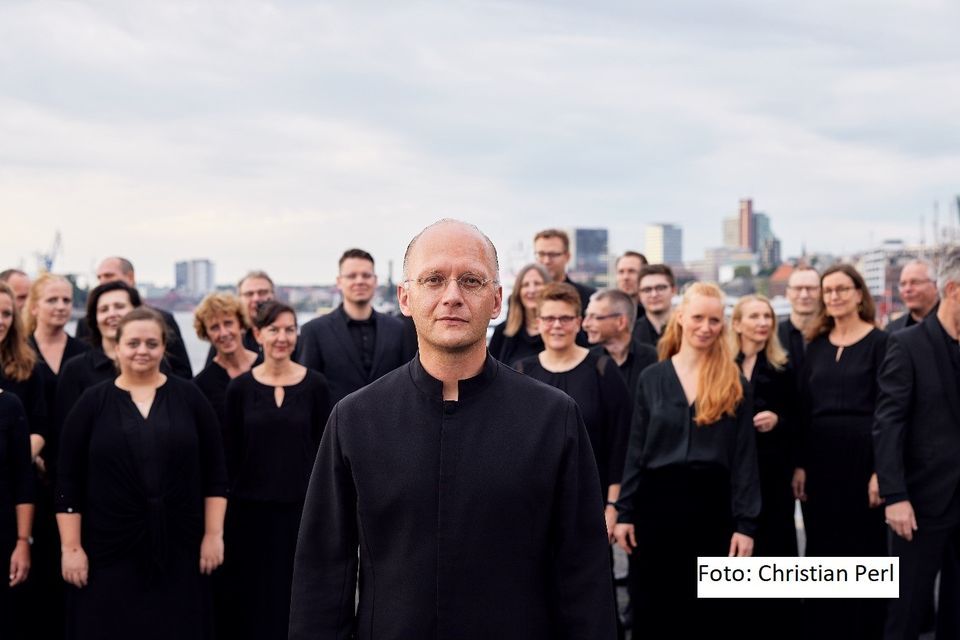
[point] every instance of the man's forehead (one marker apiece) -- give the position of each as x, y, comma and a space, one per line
631, 263
806, 276
255, 283
597, 306
110, 265
450, 247
655, 278
915, 269
549, 241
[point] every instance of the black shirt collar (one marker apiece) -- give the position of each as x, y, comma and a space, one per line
470, 387
349, 320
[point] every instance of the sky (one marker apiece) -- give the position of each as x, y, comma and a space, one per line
275, 135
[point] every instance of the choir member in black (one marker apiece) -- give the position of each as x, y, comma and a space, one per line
255, 288
628, 269
803, 292
220, 319
115, 269
469, 490
518, 336
836, 476
353, 345
918, 290
16, 509
19, 283
276, 414
589, 378
140, 498
657, 288
551, 247
609, 326
690, 484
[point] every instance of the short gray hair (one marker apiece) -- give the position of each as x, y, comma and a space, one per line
262, 275
621, 303
489, 243
949, 270
923, 262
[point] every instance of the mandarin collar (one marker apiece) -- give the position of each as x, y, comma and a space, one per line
470, 387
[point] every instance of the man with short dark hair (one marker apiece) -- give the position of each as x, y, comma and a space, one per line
657, 288
117, 268
803, 292
609, 325
628, 275
466, 492
353, 345
916, 438
551, 247
918, 290
19, 281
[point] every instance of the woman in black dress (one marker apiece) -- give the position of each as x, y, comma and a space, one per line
836, 476
16, 505
140, 497
518, 336
690, 483
220, 320
276, 413
591, 379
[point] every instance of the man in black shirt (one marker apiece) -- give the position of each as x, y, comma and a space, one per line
803, 292
353, 345
609, 325
552, 249
916, 437
628, 270
19, 281
469, 491
919, 292
657, 288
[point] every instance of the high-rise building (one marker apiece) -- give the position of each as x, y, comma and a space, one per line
589, 256
731, 233
664, 244
194, 277
748, 239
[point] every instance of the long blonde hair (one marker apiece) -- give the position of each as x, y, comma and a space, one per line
773, 350
718, 382
516, 313
36, 292
16, 356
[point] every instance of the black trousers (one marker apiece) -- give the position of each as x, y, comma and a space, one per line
935, 547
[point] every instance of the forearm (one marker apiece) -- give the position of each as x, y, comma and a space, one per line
69, 526
613, 493
36, 444
24, 521
214, 511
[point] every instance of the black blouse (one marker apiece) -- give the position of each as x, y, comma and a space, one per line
140, 482
31, 393
510, 349
774, 390
271, 449
663, 433
601, 394
213, 382
16, 475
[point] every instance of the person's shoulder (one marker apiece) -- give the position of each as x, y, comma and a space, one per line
242, 381
656, 371
380, 389
525, 365
315, 379
878, 336
532, 390
10, 404
317, 324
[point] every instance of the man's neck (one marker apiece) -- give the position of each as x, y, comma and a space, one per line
357, 310
658, 319
801, 320
945, 315
618, 347
920, 314
452, 367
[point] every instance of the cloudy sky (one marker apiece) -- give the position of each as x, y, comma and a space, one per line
276, 134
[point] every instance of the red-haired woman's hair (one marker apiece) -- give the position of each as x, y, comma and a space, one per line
718, 381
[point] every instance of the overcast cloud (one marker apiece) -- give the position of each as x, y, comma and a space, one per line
276, 134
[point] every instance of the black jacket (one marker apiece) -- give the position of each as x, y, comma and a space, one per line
916, 431
325, 345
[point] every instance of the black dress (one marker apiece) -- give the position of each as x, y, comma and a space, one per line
270, 453
16, 487
838, 399
687, 488
140, 485
510, 349
601, 394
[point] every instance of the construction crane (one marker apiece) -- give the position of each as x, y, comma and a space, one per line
45, 260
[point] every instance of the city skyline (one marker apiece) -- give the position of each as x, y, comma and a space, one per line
274, 134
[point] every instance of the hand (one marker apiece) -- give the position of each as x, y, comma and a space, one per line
873, 492
626, 537
799, 484
211, 552
41, 465
741, 546
19, 563
765, 421
901, 519
74, 566
610, 516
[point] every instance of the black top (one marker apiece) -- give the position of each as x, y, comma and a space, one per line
793, 342
213, 382
140, 482
952, 348
844, 388
604, 404
510, 349
364, 335
271, 449
72, 349
639, 357
907, 320
477, 518
584, 291
176, 352
16, 474
774, 390
32, 393
663, 433
645, 332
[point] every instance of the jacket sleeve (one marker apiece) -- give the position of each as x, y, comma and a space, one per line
894, 400
18, 450
617, 411
634, 458
74, 451
325, 569
745, 471
583, 588
309, 353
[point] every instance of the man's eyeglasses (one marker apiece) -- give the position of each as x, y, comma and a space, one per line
593, 316
914, 283
258, 293
552, 320
657, 288
366, 275
808, 289
467, 282
549, 255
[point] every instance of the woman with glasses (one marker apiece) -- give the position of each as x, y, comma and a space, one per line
690, 483
836, 476
275, 416
591, 379
518, 336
